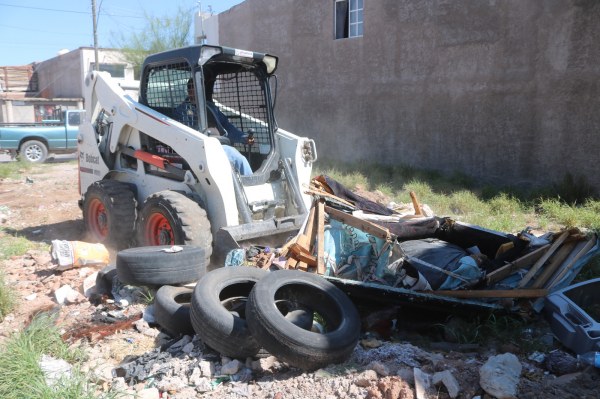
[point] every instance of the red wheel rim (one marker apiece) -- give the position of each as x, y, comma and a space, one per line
98, 219
159, 230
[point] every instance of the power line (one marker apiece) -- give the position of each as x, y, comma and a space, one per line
67, 11
41, 30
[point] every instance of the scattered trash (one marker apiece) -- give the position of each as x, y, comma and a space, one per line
69, 254
31, 297
54, 369
574, 315
173, 249
591, 358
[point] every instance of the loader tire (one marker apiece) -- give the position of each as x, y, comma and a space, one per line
160, 265
171, 218
218, 310
33, 151
298, 347
109, 212
172, 310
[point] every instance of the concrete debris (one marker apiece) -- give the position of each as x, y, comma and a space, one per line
207, 369
67, 295
264, 364
365, 378
371, 343
31, 297
379, 368
231, 367
54, 369
447, 379
500, 375
423, 389
89, 285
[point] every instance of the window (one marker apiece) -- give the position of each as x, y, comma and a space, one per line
348, 18
167, 86
74, 118
115, 70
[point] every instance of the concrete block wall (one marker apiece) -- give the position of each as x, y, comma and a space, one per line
506, 91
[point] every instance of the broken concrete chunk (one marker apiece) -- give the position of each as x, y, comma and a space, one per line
89, 285
67, 295
379, 368
207, 368
54, 369
445, 377
231, 367
499, 376
371, 343
264, 364
364, 379
422, 383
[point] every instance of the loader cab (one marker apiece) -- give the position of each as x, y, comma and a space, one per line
235, 81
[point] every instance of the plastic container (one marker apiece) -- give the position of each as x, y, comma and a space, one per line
574, 316
591, 358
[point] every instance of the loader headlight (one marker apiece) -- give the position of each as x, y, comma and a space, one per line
270, 63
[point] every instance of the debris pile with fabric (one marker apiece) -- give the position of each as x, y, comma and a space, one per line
355, 242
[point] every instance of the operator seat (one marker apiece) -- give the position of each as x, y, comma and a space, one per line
213, 122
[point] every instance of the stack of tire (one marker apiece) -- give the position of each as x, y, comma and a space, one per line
241, 311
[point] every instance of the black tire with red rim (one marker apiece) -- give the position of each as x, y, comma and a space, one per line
171, 218
109, 212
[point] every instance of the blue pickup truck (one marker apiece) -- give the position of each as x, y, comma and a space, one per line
34, 141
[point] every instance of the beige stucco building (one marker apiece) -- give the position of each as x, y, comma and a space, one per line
37, 91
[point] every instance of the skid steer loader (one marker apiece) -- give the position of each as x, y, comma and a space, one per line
147, 178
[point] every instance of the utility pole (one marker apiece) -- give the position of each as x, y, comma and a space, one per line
202, 35
96, 66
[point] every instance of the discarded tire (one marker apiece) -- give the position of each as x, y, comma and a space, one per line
218, 310
172, 309
290, 343
160, 266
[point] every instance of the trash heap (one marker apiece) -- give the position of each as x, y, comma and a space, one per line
349, 238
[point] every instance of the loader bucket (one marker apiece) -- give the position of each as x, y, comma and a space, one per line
273, 233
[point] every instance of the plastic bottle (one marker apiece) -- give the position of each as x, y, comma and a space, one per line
591, 358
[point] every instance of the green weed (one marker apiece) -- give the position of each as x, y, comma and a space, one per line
14, 169
22, 376
7, 301
507, 209
15, 246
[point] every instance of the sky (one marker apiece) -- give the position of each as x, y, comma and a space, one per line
36, 30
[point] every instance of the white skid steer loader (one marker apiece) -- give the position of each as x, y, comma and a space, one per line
161, 170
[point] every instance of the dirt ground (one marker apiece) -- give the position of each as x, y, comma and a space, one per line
41, 205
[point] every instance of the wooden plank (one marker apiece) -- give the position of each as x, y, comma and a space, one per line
302, 255
516, 293
360, 224
568, 267
291, 263
415, 203
321, 237
555, 262
510, 268
332, 197
538, 265
304, 243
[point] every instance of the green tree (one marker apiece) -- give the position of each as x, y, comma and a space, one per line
159, 34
